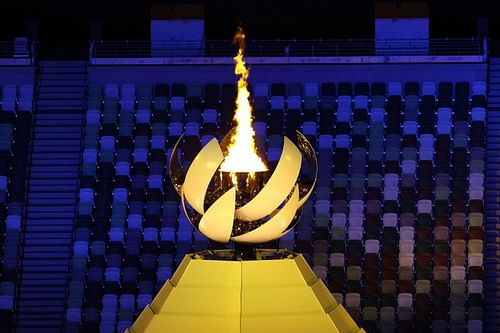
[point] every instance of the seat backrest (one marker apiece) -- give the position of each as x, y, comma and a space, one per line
372, 246
26, 92
9, 92
395, 89
111, 90
261, 90
311, 89
479, 88
355, 233
429, 88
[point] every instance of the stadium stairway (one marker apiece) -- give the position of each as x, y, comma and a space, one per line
492, 183
52, 196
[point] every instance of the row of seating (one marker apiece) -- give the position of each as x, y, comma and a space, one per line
382, 229
213, 91
17, 97
15, 133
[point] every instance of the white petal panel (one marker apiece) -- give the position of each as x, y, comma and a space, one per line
200, 173
276, 225
217, 223
277, 187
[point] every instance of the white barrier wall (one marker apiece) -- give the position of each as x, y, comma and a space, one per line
400, 27
183, 23
389, 34
289, 73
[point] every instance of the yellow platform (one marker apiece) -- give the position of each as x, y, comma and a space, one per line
254, 296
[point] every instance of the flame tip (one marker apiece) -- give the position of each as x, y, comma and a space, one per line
242, 153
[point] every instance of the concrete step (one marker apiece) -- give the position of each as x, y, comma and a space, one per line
62, 123
48, 279
56, 117
60, 102
63, 163
66, 227
62, 70
59, 83
51, 251
494, 76
33, 289
50, 155
75, 143
53, 182
52, 241
61, 90
42, 174
38, 318
56, 149
55, 272
62, 76
37, 296
58, 129
59, 136
62, 108
40, 325
62, 63
51, 209
494, 100
38, 309
48, 235
51, 215
49, 221
42, 301
61, 96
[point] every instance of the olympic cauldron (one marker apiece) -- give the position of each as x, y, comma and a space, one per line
247, 207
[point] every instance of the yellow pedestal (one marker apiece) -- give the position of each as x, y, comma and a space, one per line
254, 296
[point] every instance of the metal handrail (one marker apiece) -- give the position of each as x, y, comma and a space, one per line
34, 53
288, 48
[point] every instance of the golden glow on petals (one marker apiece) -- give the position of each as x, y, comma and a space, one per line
279, 185
276, 225
217, 222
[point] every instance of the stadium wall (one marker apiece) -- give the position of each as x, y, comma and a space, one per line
147, 74
17, 74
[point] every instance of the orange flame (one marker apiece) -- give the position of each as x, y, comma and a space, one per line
242, 154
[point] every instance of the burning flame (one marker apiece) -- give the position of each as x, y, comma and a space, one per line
242, 155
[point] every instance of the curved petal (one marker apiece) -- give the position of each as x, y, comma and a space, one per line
279, 185
310, 156
193, 216
276, 225
200, 173
175, 169
217, 222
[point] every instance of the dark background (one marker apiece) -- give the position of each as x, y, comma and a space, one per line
66, 24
